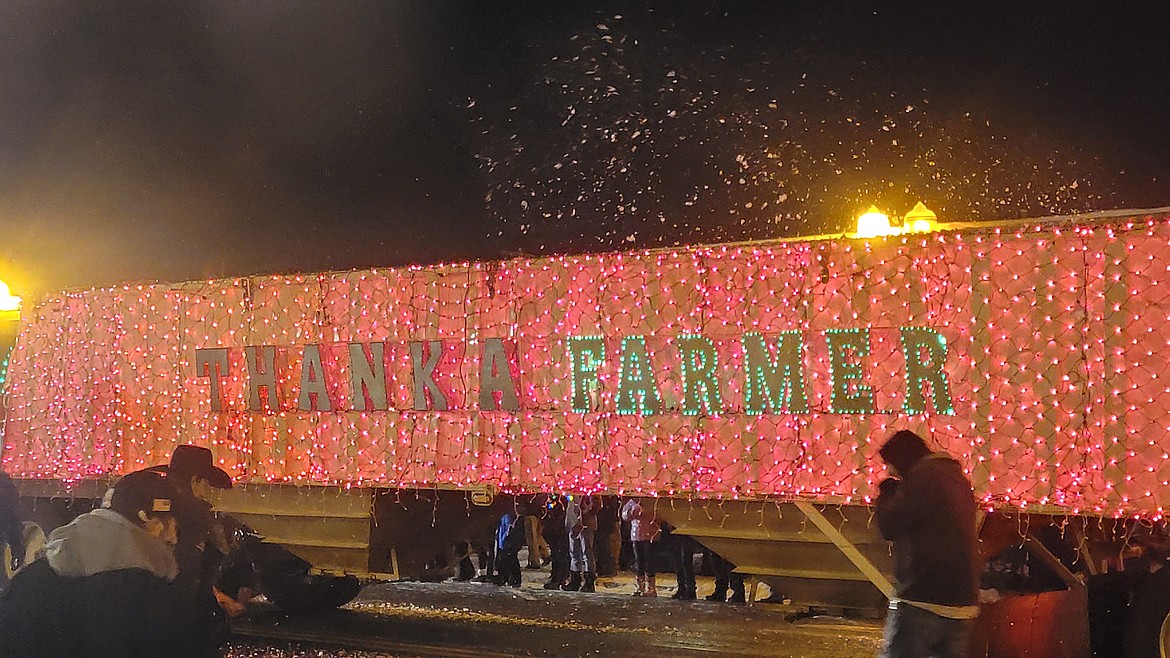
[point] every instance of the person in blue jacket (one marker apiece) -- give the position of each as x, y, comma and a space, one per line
509, 541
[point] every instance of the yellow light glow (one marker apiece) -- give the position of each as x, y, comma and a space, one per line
874, 223
920, 219
8, 302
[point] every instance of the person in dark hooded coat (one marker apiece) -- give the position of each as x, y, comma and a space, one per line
929, 515
105, 588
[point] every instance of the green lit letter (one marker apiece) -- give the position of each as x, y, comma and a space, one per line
847, 348
775, 385
698, 372
637, 390
926, 355
586, 354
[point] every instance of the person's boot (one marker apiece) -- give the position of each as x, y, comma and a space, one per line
574, 583
553, 584
641, 585
589, 584
688, 594
651, 590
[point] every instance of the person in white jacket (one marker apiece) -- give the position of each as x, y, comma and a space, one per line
644, 531
581, 524
106, 585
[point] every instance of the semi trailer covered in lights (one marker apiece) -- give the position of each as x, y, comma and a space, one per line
1033, 351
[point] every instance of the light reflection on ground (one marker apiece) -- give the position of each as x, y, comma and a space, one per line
254, 651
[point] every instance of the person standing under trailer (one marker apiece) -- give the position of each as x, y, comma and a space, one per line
553, 529
581, 525
929, 515
726, 579
509, 540
539, 550
644, 532
681, 549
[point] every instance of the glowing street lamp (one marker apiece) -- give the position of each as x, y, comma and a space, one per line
8, 301
9, 327
874, 223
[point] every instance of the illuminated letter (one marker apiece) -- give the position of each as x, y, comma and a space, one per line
213, 363
586, 354
369, 373
919, 371
495, 376
847, 348
424, 374
313, 388
775, 385
261, 375
637, 391
698, 372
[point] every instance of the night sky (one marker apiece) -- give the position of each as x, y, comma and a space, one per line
173, 141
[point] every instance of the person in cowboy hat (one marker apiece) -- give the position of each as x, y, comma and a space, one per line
193, 474
202, 544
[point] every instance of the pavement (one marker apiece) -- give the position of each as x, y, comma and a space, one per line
479, 619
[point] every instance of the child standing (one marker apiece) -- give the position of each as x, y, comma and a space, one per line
644, 531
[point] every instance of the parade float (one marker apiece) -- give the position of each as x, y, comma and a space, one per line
746, 387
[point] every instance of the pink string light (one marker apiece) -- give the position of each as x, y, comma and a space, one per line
1054, 337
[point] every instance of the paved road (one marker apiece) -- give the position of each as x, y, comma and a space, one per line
466, 619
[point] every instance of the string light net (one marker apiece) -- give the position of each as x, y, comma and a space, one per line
1034, 354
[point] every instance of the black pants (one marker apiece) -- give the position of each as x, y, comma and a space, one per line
644, 558
508, 568
558, 543
684, 556
725, 577
606, 561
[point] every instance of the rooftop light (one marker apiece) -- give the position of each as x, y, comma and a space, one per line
874, 223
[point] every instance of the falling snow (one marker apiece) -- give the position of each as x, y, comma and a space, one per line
632, 138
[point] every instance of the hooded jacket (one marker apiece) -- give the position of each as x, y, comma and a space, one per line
580, 510
104, 540
930, 518
643, 527
510, 533
103, 589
